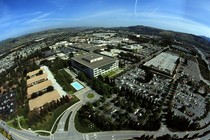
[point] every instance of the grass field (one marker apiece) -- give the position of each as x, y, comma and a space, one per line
66, 127
14, 124
48, 121
64, 79
56, 125
113, 73
90, 95
84, 125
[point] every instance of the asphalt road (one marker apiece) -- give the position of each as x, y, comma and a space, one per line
2, 137
73, 134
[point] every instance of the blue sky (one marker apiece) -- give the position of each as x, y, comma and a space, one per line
19, 17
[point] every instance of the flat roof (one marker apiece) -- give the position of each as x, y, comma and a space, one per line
33, 72
164, 62
45, 98
36, 78
108, 53
132, 47
92, 57
106, 60
38, 87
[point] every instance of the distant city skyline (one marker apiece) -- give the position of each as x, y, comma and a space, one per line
18, 17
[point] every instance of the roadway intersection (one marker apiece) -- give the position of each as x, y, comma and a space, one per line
73, 134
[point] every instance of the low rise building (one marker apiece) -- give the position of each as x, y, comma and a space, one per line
36, 80
40, 89
164, 62
43, 99
94, 64
133, 47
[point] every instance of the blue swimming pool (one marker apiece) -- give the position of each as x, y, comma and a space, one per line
77, 85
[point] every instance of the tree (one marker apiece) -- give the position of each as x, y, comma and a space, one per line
107, 80
34, 95
62, 99
67, 99
101, 78
164, 137
40, 72
33, 116
50, 88
96, 103
81, 76
71, 55
10, 84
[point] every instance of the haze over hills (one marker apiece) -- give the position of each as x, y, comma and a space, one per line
206, 38
190, 39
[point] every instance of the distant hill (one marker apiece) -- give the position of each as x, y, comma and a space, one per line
189, 39
186, 38
206, 38
8, 44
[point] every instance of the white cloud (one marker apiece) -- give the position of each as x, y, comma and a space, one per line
39, 18
177, 23
135, 6
59, 3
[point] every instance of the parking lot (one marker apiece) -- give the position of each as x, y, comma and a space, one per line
154, 89
188, 102
7, 103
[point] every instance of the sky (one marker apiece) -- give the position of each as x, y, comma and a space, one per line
18, 17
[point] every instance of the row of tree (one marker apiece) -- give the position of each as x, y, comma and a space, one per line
173, 121
151, 121
38, 114
129, 57
40, 93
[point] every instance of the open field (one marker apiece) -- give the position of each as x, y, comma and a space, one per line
50, 118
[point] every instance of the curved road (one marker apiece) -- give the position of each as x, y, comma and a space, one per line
73, 134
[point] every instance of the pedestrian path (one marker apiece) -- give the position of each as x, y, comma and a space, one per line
54, 82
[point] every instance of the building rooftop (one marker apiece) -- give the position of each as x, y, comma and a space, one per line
33, 72
164, 62
38, 87
93, 60
36, 78
45, 98
132, 47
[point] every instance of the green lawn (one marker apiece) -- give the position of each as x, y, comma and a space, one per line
113, 73
71, 92
66, 127
14, 124
90, 95
84, 125
56, 125
65, 80
1, 130
23, 123
48, 121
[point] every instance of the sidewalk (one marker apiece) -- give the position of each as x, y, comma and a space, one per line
54, 82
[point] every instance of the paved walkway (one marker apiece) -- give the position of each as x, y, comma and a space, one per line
2, 137
82, 94
73, 134
33, 131
54, 82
